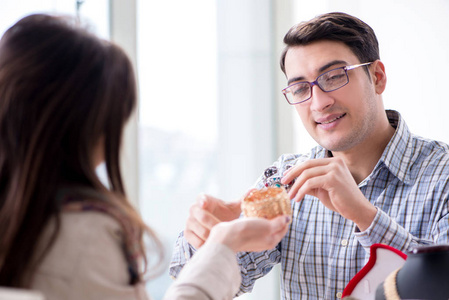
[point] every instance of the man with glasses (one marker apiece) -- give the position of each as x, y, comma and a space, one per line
370, 180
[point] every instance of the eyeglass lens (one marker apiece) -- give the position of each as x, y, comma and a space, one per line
328, 82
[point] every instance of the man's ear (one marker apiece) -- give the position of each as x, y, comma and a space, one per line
379, 76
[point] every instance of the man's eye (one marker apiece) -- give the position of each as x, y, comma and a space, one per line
300, 90
336, 77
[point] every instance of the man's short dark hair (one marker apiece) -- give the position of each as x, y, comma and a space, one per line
336, 26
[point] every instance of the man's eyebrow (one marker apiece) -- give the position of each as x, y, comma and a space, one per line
331, 64
322, 69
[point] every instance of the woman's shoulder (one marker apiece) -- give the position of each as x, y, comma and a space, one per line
86, 258
88, 226
82, 236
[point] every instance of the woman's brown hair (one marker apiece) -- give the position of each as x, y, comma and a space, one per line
62, 90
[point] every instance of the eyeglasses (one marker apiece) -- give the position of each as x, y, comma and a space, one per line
329, 81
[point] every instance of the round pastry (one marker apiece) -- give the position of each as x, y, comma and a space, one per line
267, 203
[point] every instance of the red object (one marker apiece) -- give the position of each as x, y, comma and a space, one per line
383, 260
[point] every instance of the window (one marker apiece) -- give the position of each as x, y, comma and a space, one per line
206, 116
95, 13
177, 114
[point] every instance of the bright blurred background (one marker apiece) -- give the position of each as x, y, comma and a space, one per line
211, 115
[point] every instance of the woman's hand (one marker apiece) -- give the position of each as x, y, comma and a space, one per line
250, 234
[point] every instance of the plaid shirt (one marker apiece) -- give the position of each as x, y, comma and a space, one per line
322, 250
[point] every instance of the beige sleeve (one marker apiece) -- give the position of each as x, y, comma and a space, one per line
87, 261
213, 273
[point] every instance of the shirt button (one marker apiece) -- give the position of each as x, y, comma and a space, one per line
338, 295
344, 242
186, 255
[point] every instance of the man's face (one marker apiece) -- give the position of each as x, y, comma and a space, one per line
344, 118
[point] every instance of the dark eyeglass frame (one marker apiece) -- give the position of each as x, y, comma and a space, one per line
287, 90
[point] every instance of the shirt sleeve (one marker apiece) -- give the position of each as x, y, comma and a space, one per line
254, 265
441, 232
385, 230
212, 274
182, 253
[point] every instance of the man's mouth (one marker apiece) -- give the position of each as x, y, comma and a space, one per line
332, 120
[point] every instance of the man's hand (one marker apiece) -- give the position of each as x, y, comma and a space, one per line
204, 214
330, 180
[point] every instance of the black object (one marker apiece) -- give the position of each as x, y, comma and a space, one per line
424, 275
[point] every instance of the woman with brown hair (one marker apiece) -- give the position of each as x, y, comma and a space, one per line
65, 96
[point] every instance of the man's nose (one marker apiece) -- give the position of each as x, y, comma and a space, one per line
320, 100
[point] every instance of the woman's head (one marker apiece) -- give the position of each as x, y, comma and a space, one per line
62, 92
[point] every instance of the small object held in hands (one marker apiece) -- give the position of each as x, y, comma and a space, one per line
267, 203
272, 177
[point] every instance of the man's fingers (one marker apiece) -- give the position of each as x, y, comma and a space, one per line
298, 170
202, 216
220, 210
289, 175
235, 207
193, 239
303, 181
208, 202
197, 228
316, 187
198, 225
